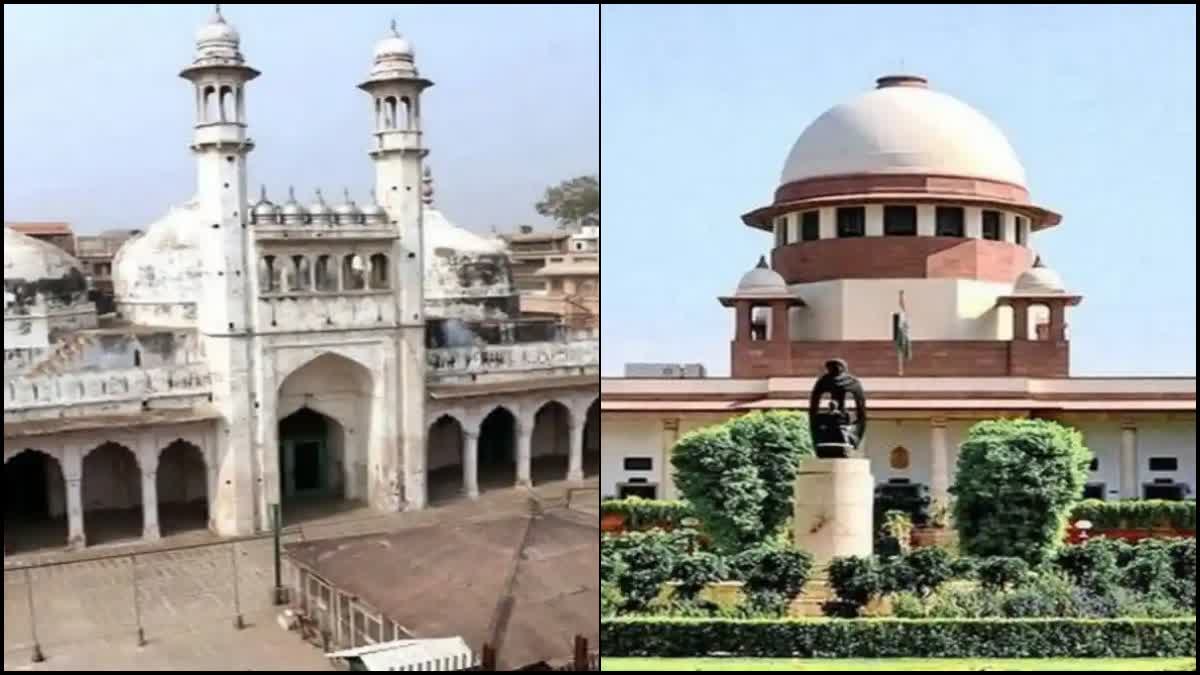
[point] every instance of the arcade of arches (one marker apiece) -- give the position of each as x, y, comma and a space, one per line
552, 441
104, 493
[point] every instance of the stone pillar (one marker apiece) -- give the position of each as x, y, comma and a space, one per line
939, 460
779, 321
524, 432
742, 333
1129, 462
73, 476
575, 463
470, 464
1058, 323
833, 518
150, 531
1020, 309
670, 436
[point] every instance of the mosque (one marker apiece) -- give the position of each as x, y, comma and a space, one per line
906, 200
307, 355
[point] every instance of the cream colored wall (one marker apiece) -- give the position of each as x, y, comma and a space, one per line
938, 309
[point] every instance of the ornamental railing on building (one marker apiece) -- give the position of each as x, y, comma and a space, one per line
23, 393
532, 356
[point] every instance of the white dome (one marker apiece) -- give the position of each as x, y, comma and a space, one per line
1039, 280
461, 269
440, 233
165, 265
393, 46
898, 129
761, 280
32, 259
217, 31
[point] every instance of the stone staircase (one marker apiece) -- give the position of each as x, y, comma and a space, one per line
815, 594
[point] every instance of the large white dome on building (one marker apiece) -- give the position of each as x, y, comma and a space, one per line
903, 127
32, 259
164, 266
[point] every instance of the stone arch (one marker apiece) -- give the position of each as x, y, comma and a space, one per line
35, 503
498, 447
444, 448
591, 439
550, 444
112, 493
325, 409
182, 487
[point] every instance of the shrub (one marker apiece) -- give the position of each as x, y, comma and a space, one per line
777, 570
1151, 571
895, 638
611, 600
695, 572
640, 514
855, 581
1045, 596
1016, 483
649, 558
908, 606
930, 568
1000, 572
1091, 565
1136, 514
895, 535
739, 476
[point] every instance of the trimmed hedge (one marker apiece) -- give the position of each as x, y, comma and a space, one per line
899, 638
1136, 514
646, 513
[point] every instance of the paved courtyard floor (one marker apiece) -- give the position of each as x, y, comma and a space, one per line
84, 606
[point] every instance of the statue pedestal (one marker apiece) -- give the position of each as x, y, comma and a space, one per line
834, 502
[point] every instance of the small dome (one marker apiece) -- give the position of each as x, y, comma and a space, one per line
1039, 280
394, 46
761, 280
347, 209
264, 210
319, 210
292, 211
903, 127
373, 212
218, 37
164, 266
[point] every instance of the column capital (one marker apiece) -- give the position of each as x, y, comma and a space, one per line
1128, 425
671, 424
938, 422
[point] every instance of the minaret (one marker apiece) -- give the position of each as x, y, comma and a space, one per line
220, 145
395, 87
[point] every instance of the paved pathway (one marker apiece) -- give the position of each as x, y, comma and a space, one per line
86, 614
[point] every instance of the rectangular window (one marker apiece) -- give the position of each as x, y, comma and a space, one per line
642, 491
1175, 492
1164, 464
639, 464
950, 221
851, 222
991, 225
810, 226
1093, 491
781, 231
900, 221
1095, 464
1022, 224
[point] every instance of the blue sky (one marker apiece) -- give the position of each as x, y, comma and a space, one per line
97, 120
701, 105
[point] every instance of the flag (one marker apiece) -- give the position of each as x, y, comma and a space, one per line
900, 334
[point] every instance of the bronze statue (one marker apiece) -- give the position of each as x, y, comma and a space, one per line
834, 435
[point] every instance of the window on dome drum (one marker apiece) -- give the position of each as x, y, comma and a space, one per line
1164, 464
810, 225
900, 221
991, 225
851, 222
1021, 224
950, 221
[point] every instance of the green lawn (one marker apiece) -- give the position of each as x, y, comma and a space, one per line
1082, 665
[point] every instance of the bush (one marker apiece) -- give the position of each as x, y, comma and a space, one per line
1136, 514
1000, 572
695, 572
739, 476
611, 600
1091, 565
775, 570
1016, 483
895, 535
896, 638
640, 514
930, 568
649, 559
855, 581
1151, 571
1045, 596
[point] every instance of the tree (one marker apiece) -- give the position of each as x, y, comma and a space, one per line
1016, 483
572, 203
738, 476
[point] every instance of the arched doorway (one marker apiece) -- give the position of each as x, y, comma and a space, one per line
551, 442
112, 495
497, 450
591, 441
324, 436
444, 459
35, 513
182, 487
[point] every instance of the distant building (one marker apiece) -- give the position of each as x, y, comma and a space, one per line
95, 254
59, 234
665, 370
558, 273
